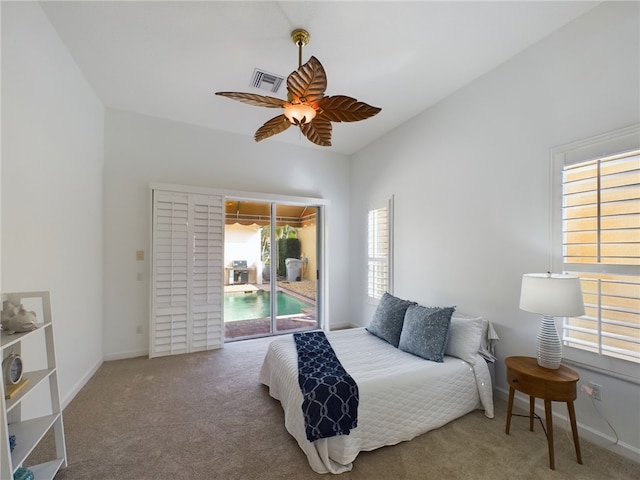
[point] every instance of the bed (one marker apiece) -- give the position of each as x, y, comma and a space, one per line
401, 395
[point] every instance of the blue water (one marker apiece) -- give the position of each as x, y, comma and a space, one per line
245, 306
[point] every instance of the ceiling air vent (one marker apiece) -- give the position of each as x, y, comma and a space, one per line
266, 81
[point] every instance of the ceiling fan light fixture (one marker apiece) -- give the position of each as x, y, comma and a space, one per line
299, 113
306, 107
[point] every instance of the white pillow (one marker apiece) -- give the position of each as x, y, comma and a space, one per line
465, 333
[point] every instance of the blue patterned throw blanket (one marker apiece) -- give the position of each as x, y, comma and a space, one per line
330, 395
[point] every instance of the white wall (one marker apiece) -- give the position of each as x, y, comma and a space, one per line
471, 188
52, 153
140, 150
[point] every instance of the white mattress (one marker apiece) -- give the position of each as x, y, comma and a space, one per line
401, 395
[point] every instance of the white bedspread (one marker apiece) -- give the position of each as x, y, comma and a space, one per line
401, 395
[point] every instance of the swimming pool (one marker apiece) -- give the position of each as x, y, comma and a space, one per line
246, 306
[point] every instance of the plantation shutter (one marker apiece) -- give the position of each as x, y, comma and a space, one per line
601, 244
207, 278
170, 287
186, 310
379, 251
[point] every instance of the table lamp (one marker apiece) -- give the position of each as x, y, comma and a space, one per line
551, 295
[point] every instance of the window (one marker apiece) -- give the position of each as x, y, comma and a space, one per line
600, 242
379, 248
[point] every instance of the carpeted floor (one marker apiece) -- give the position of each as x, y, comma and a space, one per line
205, 416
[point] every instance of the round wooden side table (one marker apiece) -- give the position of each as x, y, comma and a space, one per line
525, 375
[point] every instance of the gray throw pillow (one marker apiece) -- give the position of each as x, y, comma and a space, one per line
425, 331
388, 319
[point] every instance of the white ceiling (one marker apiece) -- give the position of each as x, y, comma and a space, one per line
166, 59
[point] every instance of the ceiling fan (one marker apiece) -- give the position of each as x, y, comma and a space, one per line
306, 105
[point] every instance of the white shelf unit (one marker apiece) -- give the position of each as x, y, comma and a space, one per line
16, 419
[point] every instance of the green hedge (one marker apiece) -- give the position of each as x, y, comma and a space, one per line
287, 248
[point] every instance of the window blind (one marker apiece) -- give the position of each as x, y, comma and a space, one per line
207, 277
170, 274
378, 248
187, 266
601, 244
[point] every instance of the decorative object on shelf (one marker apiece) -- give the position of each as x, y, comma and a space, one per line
12, 390
12, 368
306, 105
17, 319
12, 442
23, 474
551, 295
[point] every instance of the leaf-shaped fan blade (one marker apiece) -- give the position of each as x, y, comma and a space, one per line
318, 131
253, 99
274, 126
341, 108
308, 82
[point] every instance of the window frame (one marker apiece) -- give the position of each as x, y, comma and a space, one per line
611, 143
386, 203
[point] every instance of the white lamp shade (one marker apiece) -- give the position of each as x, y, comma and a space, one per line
299, 113
555, 295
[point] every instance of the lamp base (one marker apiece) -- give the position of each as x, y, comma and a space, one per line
548, 346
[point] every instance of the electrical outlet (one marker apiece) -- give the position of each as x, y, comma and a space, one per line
596, 391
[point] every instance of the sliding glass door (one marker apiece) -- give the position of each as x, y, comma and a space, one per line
271, 258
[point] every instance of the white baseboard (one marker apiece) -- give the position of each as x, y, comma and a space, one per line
343, 326
125, 355
594, 436
78, 386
